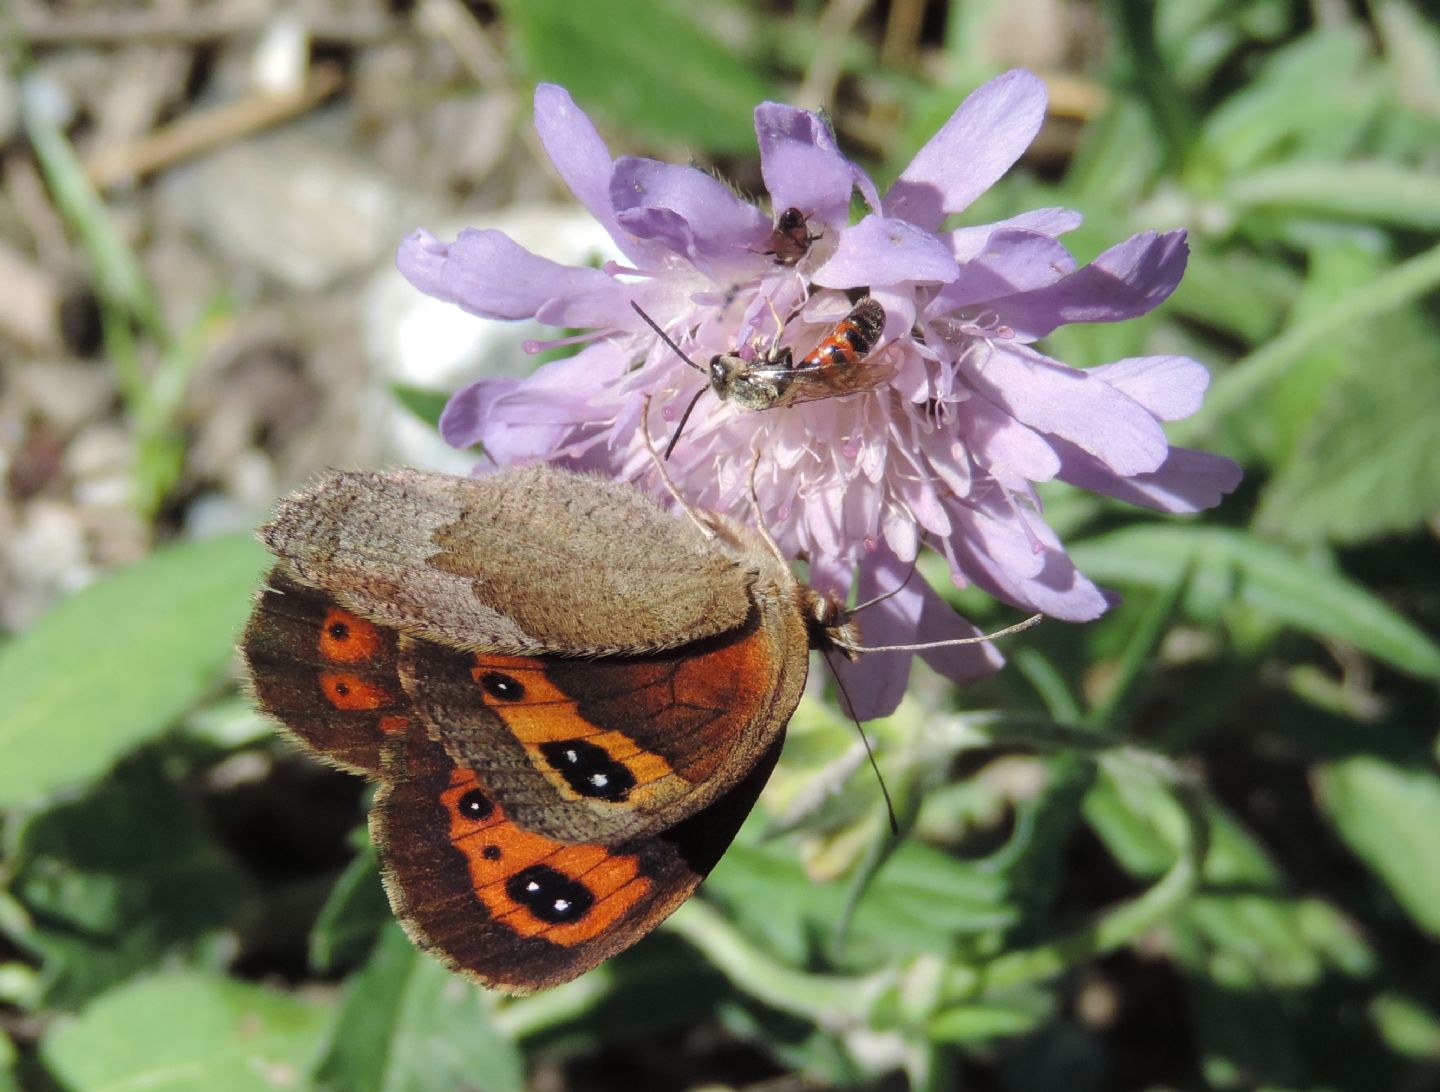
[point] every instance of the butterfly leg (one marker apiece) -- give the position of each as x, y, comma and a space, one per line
759, 516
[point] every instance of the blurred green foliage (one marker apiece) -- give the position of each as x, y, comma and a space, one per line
1066, 910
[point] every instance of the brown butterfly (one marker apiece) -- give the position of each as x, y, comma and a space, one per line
570, 697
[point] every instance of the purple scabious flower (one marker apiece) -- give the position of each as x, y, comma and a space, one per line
945, 453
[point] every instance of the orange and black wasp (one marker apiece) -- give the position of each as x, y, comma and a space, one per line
837, 366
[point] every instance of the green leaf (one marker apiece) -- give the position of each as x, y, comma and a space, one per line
1389, 815
1407, 1026
1266, 577
118, 662
184, 1032
1410, 47
425, 404
1275, 424
984, 1021
409, 1025
921, 901
8, 1081
1315, 94
1365, 465
352, 916
118, 879
1375, 303
613, 62
1236, 291
1370, 192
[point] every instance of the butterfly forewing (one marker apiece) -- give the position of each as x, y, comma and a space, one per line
325, 673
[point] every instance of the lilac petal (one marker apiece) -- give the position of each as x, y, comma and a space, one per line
696, 211
970, 242
582, 161
1012, 452
830, 576
801, 164
506, 442
1170, 387
866, 187
980, 142
1072, 404
543, 407
873, 685
489, 274
1001, 533
923, 501
463, 421
961, 663
1014, 262
1129, 279
1187, 481
913, 614
882, 251
1056, 587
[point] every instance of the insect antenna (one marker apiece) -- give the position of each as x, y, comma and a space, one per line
675, 438
869, 753
896, 590
650, 322
1018, 627
681, 354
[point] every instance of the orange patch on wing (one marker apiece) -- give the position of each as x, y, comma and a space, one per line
734, 677
350, 692
394, 722
495, 850
345, 638
546, 714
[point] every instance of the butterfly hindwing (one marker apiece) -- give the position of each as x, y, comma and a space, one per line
515, 909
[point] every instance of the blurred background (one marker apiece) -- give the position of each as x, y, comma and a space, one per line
199, 205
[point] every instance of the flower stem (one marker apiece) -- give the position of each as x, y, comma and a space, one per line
822, 997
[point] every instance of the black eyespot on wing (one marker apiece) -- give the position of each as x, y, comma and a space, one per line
475, 805
502, 687
589, 769
551, 896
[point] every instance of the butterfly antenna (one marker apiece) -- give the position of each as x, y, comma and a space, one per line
1018, 627
665, 337
896, 590
665, 480
675, 439
869, 753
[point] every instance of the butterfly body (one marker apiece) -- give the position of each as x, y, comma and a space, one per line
836, 366
570, 697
